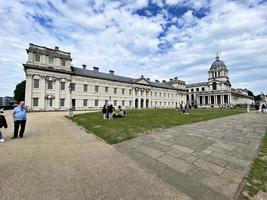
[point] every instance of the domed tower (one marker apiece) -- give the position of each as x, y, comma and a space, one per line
218, 75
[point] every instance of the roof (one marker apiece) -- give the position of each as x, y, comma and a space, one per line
197, 84
217, 63
113, 77
101, 75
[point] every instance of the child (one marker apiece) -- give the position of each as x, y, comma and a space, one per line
2, 124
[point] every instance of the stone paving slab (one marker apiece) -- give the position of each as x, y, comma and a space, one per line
204, 160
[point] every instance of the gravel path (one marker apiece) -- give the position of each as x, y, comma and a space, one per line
58, 160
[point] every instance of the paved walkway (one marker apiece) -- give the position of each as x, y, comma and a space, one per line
58, 160
205, 160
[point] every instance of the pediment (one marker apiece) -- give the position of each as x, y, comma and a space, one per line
142, 81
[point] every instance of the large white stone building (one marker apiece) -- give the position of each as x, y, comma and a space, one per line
52, 83
217, 91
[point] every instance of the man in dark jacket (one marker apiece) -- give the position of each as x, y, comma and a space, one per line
2, 124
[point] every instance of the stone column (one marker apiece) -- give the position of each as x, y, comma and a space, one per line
42, 105
139, 98
28, 90
222, 100
209, 100
215, 100
57, 93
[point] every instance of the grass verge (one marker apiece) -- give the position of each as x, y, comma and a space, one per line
257, 177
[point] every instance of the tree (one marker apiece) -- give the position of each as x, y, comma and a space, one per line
19, 92
250, 93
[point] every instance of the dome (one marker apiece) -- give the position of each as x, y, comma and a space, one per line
217, 64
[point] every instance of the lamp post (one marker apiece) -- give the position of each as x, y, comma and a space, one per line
70, 112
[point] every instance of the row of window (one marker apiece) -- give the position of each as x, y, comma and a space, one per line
85, 89
37, 58
85, 102
197, 89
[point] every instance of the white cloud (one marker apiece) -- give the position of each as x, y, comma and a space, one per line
111, 35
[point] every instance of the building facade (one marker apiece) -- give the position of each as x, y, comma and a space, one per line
52, 83
217, 91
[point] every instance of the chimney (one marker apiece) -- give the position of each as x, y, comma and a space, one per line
148, 79
95, 69
163, 81
56, 48
171, 79
175, 78
142, 76
84, 66
111, 72
157, 81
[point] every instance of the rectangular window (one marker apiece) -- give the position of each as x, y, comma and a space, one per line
155, 94
50, 60
115, 102
35, 101
203, 89
122, 103
96, 102
37, 58
50, 101
85, 87
50, 85
106, 89
160, 94
123, 91
85, 103
96, 88
130, 92
115, 90
136, 92
130, 103
72, 86
62, 102
36, 83
62, 85
197, 89
106, 102
63, 62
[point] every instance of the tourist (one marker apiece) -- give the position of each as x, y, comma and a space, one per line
19, 117
110, 112
3, 123
248, 108
104, 112
263, 108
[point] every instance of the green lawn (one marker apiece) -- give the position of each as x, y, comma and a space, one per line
140, 121
257, 177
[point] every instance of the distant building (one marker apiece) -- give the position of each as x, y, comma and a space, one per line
50, 75
6, 101
261, 99
217, 91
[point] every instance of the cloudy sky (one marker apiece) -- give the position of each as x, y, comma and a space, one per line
159, 39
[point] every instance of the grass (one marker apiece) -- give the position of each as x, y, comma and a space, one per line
257, 177
140, 121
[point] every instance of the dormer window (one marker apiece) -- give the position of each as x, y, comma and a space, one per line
50, 60
37, 58
63, 62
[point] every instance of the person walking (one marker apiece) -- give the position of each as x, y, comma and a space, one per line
104, 111
19, 117
3, 123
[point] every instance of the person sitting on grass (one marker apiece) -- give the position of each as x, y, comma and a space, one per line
3, 123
